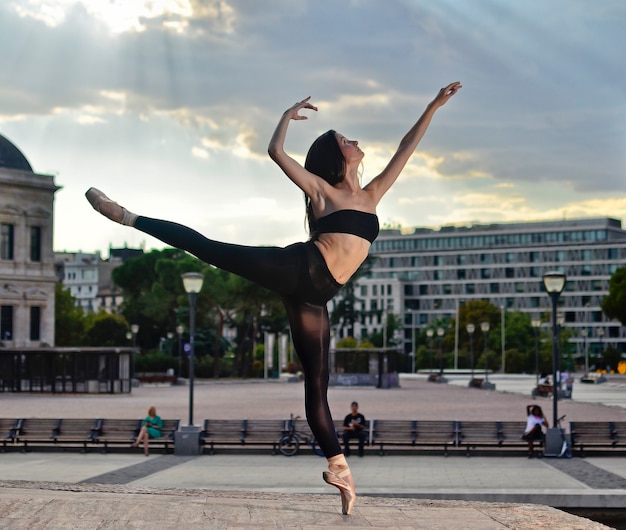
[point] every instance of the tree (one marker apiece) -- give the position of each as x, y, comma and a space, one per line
614, 304
106, 330
69, 319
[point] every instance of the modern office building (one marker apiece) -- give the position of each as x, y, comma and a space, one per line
27, 279
424, 275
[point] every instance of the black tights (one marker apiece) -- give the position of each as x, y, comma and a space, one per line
299, 275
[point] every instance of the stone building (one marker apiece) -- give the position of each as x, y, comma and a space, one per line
27, 279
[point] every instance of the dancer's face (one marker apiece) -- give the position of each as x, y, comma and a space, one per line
349, 149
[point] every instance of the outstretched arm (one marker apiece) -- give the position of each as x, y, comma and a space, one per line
305, 180
379, 185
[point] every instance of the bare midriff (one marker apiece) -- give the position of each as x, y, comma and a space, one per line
343, 254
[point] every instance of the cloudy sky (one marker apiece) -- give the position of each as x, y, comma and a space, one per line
168, 106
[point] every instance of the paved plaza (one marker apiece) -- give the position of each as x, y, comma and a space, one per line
264, 490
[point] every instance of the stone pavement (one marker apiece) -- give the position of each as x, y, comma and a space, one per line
52, 506
55, 489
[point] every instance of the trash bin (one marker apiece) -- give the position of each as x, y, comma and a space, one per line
187, 441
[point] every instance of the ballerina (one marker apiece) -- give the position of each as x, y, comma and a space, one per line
342, 224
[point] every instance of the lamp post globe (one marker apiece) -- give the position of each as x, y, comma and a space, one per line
536, 324
470, 328
192, 281
554, 283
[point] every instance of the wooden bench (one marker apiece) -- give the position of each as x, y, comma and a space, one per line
432, 433
72, 431
222, 432
36, 431
594, 434
264, 432
618, 433
116, 432
124, 432
472, 434
394, 433
8, 431
155, 377
542, 391
510, 434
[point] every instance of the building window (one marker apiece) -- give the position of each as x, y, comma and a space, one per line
6, 322
6, 241
534, 257
35, 323
35, 243
460, 274
470, 288
510, 272
511, 257
494, 288
363, 290
485, 274
423, 290
374, 290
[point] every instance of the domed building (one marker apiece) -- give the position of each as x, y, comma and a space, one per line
27, 279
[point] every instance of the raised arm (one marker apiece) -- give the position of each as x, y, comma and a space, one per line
305, 180
381, 184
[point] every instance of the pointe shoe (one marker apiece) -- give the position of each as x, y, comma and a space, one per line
348, 495
110, 209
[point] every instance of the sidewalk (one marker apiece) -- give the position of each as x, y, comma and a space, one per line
55, 489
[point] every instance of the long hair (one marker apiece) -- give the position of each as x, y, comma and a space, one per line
325, 160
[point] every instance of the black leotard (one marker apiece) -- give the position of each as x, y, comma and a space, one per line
299, 274
362, 224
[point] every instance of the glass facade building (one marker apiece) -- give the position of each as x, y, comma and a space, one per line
426, 274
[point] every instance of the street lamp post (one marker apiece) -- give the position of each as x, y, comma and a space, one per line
484, 326
440, 332
536, 324
554, 283
584, 332
412, 313
429, 334
193, 284
134, 329
503, 339
470, 331
600, 332
179, 332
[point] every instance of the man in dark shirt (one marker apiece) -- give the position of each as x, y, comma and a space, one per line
354, 427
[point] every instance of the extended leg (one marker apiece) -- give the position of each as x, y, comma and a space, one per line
277, 269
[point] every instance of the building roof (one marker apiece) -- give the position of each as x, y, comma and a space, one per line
11, 157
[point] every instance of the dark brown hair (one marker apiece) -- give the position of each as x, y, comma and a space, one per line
325, 160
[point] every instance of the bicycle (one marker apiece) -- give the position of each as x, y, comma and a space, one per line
566, 450
289, 443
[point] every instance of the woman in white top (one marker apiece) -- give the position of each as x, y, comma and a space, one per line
534, 423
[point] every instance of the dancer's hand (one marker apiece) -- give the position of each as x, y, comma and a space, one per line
446, 93
293, 111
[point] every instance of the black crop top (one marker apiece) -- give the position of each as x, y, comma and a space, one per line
353, 222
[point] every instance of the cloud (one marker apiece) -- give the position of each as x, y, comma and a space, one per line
173, 94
